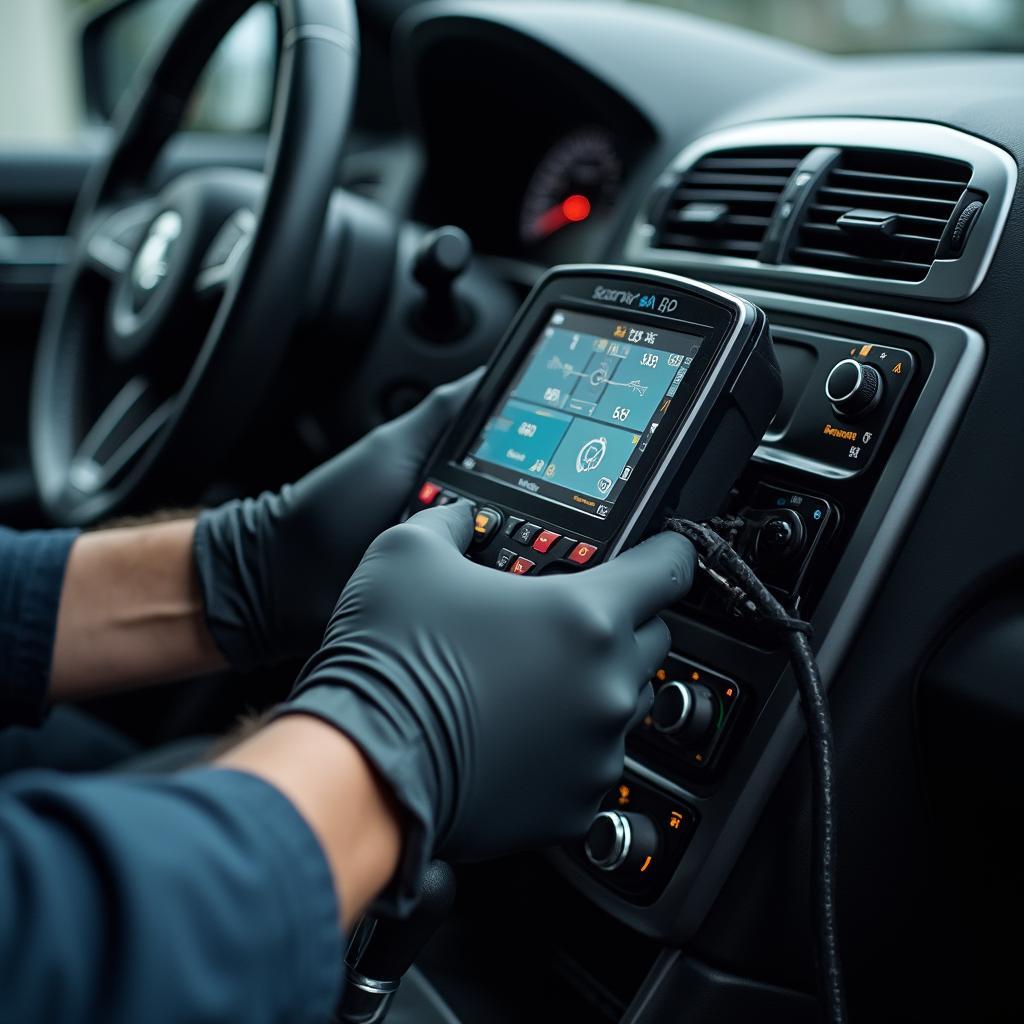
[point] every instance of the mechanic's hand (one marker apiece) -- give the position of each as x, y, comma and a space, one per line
271, 568
495, 706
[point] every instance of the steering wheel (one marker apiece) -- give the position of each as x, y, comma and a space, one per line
174, 311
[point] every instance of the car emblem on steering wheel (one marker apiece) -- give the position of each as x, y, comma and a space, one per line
151, 263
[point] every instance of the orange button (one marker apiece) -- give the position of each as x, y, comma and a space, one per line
486, 522
428, 492
582, 553
544, 540
521, 566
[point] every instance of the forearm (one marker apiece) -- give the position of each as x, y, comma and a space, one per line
332, 786
130, 612
193, 896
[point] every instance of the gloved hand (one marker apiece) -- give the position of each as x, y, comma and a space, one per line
271, 568
495, 706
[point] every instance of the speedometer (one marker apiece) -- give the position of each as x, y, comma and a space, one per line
576, 179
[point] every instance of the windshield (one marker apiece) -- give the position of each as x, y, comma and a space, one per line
864, 26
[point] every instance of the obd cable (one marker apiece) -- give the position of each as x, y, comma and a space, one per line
751, 597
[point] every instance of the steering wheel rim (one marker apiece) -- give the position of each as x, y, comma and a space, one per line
148, 442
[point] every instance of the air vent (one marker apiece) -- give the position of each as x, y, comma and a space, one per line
723, 204
879, 213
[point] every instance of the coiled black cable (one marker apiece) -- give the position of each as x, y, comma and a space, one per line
719, 559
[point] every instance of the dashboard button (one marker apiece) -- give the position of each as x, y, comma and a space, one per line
582, 553
521, 566
486, 524
428, 492
544, 541
446, 498
526, 533
513, 524
505, 558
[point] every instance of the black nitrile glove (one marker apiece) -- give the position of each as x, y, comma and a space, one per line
271, 567
495, 706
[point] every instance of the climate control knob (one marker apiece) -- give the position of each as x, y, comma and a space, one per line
621, 841
853, 388
686, 711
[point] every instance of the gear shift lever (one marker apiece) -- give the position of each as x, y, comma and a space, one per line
382, 950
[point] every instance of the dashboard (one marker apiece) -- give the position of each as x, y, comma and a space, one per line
872, 207
542, 194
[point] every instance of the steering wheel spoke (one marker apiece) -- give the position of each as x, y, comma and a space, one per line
113, 235
226, 252
119, 436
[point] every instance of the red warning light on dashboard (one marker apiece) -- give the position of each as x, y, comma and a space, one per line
576, 208
428, 492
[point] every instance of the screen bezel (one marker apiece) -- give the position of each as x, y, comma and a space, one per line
697, 312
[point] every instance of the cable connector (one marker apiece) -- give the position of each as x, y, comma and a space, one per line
724, 566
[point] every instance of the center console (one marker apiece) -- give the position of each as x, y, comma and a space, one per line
870, 402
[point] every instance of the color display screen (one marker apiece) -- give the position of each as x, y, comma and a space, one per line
579, 414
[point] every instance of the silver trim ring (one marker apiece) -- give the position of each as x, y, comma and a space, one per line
853, 390
684, 715
621, 845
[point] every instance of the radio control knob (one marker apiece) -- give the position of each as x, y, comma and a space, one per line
621, 840
853, 388
686, 711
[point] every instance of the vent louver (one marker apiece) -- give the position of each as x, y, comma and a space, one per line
723, 204
879, 213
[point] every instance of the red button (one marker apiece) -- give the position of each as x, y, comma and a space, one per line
582, 553
544, 540
521, 566
428, 492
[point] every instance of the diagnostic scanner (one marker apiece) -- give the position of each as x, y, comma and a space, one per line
617, 397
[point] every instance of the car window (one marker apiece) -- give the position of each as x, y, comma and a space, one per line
42, 91
855, 26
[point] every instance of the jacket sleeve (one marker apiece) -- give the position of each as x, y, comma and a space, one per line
198, 897
31, 576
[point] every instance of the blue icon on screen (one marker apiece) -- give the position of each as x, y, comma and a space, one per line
647, 302
818, 513
780, 502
